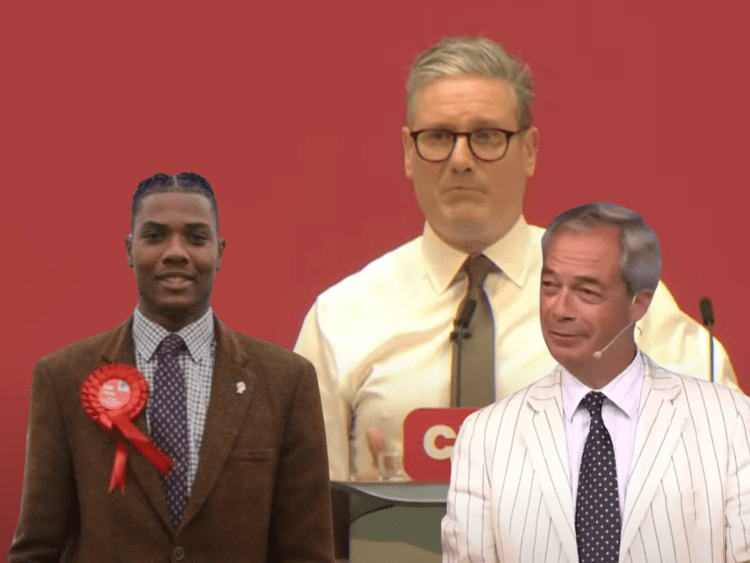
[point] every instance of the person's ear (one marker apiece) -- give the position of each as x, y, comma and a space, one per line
530, 139
640, 303
409, 151
222, 246
129, 249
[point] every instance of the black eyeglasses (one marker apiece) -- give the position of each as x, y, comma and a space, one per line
489, 145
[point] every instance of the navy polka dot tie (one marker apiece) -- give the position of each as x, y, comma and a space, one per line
597, 503
168, 417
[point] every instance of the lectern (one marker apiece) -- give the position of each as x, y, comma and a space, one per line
395, 522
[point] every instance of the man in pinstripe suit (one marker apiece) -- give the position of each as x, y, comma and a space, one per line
680, 445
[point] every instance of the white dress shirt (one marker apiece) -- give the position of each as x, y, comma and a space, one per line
620, 415
379, 339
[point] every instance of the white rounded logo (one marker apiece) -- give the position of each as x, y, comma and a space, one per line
430, 439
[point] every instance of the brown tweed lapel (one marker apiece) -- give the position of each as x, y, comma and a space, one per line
226, 409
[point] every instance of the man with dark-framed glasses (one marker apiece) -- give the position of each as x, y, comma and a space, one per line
380, 339
487, 144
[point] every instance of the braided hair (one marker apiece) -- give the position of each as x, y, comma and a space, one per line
187, 182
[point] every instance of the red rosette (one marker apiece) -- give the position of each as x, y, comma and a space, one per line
112, 396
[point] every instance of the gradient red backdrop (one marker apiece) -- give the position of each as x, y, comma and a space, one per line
293, 110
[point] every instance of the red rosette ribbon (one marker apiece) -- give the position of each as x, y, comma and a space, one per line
112, 396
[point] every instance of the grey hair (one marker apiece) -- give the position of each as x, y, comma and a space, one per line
472, 56
640, 253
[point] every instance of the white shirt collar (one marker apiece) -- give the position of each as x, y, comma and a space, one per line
511, 254
624, 391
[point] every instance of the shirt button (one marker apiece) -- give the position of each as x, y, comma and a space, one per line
179, 553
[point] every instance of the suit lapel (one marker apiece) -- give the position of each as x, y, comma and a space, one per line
659, 428
227, 408
546, 444
121, 351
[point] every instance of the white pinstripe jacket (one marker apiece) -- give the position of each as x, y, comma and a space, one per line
688, 499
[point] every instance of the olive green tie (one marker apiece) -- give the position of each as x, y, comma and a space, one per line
476, 387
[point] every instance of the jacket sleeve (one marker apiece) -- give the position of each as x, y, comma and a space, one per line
467, 533
49, 509
301, 524
737, 488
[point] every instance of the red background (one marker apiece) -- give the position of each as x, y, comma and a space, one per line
292, 111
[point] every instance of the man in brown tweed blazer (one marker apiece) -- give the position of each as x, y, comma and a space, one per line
258, 487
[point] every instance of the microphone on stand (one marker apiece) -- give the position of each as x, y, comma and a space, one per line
707, 312
464, 318
460, 332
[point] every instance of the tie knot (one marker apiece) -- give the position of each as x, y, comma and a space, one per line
593, 402
477, 266
171, 345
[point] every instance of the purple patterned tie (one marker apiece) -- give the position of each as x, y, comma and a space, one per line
597, 503
168, 418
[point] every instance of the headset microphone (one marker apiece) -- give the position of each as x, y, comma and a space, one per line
598, 353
